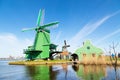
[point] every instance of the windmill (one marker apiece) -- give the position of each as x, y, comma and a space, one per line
41, 46
64, 50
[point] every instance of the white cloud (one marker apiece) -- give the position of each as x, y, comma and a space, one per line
58, 36
85, 31
108, 36
12, 45
55, 38
88, 29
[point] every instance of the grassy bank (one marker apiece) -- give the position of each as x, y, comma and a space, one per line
51, 62
39, 62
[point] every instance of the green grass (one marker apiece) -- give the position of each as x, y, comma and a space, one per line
37, 62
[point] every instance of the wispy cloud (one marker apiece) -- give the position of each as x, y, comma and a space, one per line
56, 39
88, 29
12, 45
108, 36
115, 13
58, 36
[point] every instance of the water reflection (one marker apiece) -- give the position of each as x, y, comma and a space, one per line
58, 72
51, 72
71, 72
112, 74
38, 72
90, 72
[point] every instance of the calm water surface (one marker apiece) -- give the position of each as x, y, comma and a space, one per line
57, 72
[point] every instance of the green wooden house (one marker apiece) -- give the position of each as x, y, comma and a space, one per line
88, 49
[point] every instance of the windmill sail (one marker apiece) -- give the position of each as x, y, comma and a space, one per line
49, 24
39, 18
28, 29
41, 46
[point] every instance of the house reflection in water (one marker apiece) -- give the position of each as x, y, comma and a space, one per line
66, 72
90, 72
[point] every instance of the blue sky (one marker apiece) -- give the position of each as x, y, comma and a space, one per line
80, 20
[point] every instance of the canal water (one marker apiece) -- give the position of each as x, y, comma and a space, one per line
58, 72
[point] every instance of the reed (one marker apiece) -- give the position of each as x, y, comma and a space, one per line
86, 60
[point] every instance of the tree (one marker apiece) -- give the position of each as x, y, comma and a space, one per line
114, 59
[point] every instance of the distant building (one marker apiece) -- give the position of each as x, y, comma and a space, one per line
88, 50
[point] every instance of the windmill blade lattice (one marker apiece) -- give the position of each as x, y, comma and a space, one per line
40, 26
49, 24
40, 17
27, 29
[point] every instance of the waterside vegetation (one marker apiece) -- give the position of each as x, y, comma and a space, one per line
85, 61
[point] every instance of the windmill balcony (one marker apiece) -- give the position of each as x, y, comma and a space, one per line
25, 51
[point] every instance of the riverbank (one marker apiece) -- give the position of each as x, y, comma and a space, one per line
51, 62
40, 62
